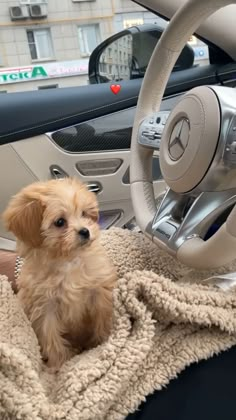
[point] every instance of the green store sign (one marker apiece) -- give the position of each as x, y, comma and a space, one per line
23, 75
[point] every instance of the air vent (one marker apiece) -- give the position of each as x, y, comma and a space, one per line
38, 11
19, 12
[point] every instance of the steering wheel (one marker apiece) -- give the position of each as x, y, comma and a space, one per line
196, 143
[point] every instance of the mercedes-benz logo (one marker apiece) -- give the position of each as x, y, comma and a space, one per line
179, 139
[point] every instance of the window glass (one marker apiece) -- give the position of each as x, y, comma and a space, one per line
46, 45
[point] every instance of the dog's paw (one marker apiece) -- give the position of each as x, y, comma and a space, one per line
54, 362
52, 370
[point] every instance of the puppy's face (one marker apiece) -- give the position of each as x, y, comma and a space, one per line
60, 216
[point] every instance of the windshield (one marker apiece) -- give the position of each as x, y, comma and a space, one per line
47, 44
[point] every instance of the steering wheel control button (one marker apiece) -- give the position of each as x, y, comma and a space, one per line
179, 139
151, 129
230, 147
164, 119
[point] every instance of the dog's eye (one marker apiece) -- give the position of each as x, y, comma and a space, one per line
60, 222
84, 214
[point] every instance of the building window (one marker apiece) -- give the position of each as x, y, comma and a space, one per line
40, 44
48, 87
89, 38
103, 67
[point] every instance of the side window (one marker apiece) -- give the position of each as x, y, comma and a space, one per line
43, 45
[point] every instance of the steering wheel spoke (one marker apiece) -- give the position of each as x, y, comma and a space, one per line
181, 217
151, 129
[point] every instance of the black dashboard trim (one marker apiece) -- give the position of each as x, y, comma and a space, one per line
28, 114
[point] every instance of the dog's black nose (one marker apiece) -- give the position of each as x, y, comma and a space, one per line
84, 233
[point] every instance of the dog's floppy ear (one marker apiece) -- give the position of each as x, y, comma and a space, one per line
93, 213
23, 216
91, 206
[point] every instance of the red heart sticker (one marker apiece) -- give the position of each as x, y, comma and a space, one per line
115, 89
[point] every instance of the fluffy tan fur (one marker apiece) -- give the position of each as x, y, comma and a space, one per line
66, 282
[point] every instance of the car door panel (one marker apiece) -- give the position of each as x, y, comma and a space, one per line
14, 175
64, 130
39, 154
110, 132
114, 194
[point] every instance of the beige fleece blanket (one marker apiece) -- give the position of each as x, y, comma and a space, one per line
161, 325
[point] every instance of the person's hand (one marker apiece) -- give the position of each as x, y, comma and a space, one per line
7, 266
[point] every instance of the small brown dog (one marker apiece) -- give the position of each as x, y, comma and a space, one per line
67, 280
